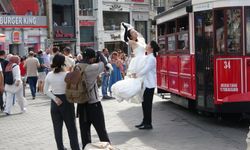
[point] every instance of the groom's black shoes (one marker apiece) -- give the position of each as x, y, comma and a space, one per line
139, 125
146, 127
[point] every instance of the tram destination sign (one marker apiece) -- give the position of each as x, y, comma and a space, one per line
23, 21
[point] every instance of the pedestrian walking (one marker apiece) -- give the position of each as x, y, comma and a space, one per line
69, 61
4, 63
41, 72
46, 59
92, 111
1, 86
14, 88
23, 73
61, 110
116, 74
105, 76
149, 73
32, 64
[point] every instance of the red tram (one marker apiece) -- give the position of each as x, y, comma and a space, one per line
204, 60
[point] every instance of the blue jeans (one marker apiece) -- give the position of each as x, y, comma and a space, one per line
32, 83
105, 83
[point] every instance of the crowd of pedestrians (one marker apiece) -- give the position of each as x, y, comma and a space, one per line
32, 70
45, 72
119, 62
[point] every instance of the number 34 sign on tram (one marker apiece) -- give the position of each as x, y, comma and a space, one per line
229, 77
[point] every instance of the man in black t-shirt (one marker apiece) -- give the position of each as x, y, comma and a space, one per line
4, 63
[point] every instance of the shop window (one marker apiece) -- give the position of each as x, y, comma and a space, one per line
87, 34
62, 15
85, 7
141, 27
112, 20
247, 13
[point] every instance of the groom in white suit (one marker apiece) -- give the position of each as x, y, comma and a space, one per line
149, 73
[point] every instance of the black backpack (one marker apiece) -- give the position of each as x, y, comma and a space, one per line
4, 63
8, 78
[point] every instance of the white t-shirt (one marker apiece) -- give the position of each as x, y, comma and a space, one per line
54, 84
1, 68
69, 62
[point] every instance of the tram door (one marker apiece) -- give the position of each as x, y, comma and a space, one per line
204, 59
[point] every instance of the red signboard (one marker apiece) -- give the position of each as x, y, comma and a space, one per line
61, 34
2, 37
137, 0
229, 77
87, 23
87, 44
16, 36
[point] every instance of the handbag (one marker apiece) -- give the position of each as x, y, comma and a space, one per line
13, 88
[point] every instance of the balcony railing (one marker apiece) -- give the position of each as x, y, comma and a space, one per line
86, 12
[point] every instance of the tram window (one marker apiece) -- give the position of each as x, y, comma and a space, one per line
161, 29
171, 27
204, 34
182, 24
171, 43
220, 34
183, 41
248, 29
228, 31
233, 30
162, 44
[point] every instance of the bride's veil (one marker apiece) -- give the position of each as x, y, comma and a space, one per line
140, 38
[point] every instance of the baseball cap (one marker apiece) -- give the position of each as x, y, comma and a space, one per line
89, 53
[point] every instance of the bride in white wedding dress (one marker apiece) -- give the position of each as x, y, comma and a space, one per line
131, 88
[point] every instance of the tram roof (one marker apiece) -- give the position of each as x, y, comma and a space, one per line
174, 8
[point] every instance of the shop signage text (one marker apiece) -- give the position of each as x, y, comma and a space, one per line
23, 21
16, 20
87, 23
61, 34
16, 37
113, 36
137, 0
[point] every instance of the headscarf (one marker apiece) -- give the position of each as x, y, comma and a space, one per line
12, 60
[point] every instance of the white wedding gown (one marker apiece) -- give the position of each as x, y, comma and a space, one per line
131, 89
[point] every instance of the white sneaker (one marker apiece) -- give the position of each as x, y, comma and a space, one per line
24, 110
6, 113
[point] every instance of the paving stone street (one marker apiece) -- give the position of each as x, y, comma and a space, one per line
175, 128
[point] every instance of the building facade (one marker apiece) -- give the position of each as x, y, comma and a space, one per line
96, 23
112, 13
62, 23
23, 28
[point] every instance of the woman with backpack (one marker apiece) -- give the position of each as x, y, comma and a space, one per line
13, 85
61, 110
